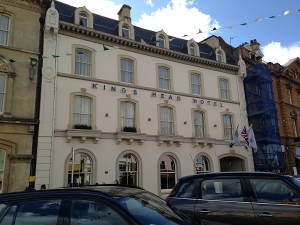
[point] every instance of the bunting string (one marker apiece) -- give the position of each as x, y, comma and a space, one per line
285, 13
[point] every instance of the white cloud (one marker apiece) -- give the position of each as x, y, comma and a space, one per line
276, 53
105, 8
149, 2
186, 19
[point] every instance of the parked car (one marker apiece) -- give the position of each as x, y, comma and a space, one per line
92, 205
247, 198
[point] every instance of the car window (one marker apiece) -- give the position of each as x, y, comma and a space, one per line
272, 190
86, 212
186, 190
149, 209
222, 189
32, 213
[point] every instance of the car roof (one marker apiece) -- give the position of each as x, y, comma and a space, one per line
230, 174
107, 191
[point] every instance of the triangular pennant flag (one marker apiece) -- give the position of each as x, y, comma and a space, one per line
200, 31
105, 48
214, 29
55, 56
12, 61
287, 12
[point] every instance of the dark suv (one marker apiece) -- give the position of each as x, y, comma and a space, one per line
94, 205
247, 198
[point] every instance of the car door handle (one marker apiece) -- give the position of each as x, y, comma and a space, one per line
265, 214
204, 211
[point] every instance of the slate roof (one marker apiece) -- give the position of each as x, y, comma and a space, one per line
110, 26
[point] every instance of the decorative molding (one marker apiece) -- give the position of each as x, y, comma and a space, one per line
170, 140
35, 5
203, 142
82, 135
130, 137
116, 40
20, 157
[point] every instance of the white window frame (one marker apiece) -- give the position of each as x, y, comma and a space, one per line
4, 30
170, 169
81, 112
227, 126
81, 169
131, 169
83, 62
3, 80
224, 88
166, 117
164, 78
199, 123
83, 19
127, 70
192, 50
196, 86
125, 31
127, 114
161, 41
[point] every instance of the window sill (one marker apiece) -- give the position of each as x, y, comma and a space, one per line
130, 137
83, 135
203, 142
170, 139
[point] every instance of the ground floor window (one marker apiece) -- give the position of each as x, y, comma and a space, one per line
128, 169
2, 166
167, 172
82, 170
201, 164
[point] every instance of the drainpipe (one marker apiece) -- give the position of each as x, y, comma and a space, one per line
45, 4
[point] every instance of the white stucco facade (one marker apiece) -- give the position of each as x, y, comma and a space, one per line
105, 143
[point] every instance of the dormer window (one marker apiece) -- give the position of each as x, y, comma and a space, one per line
161, 41
192, 50
219, 56
125, 31
83, 19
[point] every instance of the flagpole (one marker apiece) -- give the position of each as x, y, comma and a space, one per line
72, 172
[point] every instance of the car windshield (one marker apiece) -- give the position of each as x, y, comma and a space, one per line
149, 209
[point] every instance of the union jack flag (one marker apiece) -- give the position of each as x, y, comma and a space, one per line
244, 134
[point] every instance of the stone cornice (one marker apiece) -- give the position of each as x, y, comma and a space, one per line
34, 5
150, 49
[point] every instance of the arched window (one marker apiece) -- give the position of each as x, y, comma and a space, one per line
220, 56
227, 123
168, 173
161, 41
2, 166
128, 123
2, 91
199, 122
125, 31
83, 62
81, 170
83, 19
82, 112
192, 49
202, 164
128, 169
4, 28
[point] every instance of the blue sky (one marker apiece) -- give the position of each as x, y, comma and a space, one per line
279, 36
